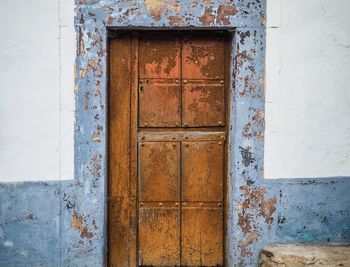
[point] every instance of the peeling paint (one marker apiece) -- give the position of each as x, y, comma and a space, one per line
223, 14
208, 17
247, 158
254, 128
63, 223
79, 223
254, 199
175, 21
159, 8
96, 138
245, 243
253, 204
96, 165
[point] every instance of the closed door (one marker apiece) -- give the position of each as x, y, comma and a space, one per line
168, 118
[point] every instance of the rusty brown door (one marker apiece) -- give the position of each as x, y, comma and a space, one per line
167, 161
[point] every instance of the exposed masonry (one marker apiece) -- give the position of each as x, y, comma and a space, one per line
64, 223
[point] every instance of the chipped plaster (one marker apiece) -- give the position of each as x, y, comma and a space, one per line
70, 216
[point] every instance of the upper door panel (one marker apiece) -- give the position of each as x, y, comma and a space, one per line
203, 58
159, 103
159, 56
181, 80
203, 103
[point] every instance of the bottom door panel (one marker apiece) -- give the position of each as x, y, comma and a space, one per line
202, 236
159, 236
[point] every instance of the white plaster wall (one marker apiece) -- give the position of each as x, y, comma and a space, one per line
37, 51
307, 89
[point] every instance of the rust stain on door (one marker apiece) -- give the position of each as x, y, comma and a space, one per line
173, 105
159, 171
159, 103
202, 177
203, 58
159, 56
159, 235
203, 103
119, 152
202, 235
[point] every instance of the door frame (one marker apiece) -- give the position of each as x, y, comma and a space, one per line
249, 229
134, 33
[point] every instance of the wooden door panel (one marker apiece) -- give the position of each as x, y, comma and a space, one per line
159, 171
167, 149
203, 58
159, 236
202, 164
119, 154
203, 103
202, 236
159, 103
159, 56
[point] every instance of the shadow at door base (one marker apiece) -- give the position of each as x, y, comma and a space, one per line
183, 266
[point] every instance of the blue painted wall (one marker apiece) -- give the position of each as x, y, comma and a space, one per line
309, 211
63, 223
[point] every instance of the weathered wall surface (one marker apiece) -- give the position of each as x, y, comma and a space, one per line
37, 50
63, 223
307, 89
30, 224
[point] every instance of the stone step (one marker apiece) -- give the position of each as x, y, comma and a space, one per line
288, 255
